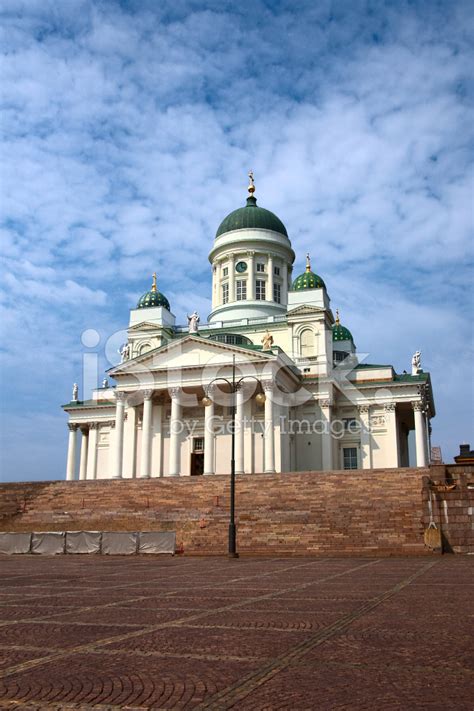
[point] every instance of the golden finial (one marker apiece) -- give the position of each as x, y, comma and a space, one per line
337, 318
308, 263
153, 286
251, 187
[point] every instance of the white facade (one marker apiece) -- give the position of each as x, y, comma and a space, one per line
304, 402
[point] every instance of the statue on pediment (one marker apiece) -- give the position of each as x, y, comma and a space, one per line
193, 322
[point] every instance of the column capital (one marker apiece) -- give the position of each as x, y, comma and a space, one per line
174, 393
120, 395
417, 405
147, 394
84, 430
389, 407
93, 425
268, 385
72, 427
251, 253
325, 403
363, 409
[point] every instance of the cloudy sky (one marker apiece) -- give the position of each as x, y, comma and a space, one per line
128, 129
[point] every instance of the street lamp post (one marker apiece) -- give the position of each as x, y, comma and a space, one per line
233, 385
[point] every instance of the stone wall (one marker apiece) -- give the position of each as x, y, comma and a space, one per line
453, 505
365, 512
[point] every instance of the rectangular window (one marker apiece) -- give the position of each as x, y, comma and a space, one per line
225, 293
260, 267
350, 457
276, 271
225, 272
260, 290
277, 293
198, 445
241, 289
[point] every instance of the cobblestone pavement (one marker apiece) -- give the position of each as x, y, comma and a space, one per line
249, 634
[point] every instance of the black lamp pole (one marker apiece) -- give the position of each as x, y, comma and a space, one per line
233, 385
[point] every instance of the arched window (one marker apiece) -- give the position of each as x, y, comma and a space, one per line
143, 348
306, 343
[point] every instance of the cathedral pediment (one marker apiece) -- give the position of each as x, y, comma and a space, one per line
144, 326
305, 310
192, 352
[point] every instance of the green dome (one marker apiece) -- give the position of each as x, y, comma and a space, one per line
308, 280
339, 332
251, 216
153, 298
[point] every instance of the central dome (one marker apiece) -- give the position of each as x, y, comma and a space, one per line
251, 217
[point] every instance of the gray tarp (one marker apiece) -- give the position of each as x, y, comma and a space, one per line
157, 542
119, 543
11, 543
48, 543
83, 541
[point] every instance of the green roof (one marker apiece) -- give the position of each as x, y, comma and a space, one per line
341, 333
308, 280
153, 298
251, 217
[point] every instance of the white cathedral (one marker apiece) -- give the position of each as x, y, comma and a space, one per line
272, 359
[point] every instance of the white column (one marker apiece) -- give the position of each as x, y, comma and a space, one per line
232, 294
269, 428
215, 285
209, 436
118, 440
84, 447
251, 277
249, 443
326, 436
71, 453
284, 286
285, 438
145, 461
365, 443
420, 435
239, 430
175, 433
269, 294
92, 451
157, 440
392, 434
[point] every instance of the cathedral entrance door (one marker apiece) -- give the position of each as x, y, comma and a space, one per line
197, 463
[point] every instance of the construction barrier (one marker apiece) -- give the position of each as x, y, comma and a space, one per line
88, 542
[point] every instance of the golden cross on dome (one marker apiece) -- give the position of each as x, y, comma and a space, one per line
153, 286
337, 317
308, 263
251, 187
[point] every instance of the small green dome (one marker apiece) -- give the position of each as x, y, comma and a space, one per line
153, 298
339, 332
251, 216
308, 280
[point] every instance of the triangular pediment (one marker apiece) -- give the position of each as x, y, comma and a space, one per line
192, 352
305, 310
145, 326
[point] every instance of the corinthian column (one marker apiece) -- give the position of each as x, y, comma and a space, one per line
269, 428
71, 453
365, 446
118, 441
84, 448
420, 435
239, 430
145, 464
209, 435
175, 433
92, 451
326, 437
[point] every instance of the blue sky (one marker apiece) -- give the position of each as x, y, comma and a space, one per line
127, 132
